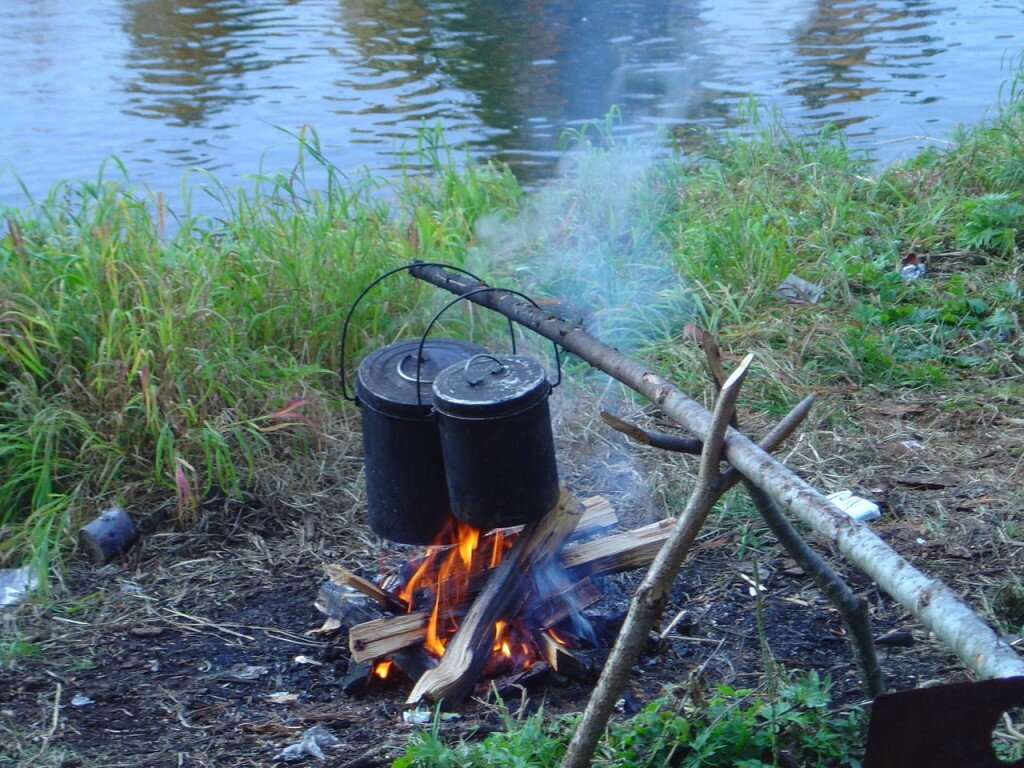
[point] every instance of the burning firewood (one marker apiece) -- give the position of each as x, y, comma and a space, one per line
600, 557
464, 657
411, 621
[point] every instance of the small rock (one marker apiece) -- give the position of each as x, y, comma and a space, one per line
243, 673
282, 697
313, 743
81, 700
897, 637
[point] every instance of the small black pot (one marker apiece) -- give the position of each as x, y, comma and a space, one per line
406, 494
499, 452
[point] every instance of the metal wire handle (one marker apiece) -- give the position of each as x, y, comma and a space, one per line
499, 369
371, 286
456, 300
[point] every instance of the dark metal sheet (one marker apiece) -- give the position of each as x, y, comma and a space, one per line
945, 726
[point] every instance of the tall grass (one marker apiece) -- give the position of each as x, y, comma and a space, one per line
134, 359
140, 360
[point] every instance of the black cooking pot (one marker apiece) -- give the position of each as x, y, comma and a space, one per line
406, 495
499, 452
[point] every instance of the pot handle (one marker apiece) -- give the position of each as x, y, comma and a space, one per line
482, 356
456, 300
370, 287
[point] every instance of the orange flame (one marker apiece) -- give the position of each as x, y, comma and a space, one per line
383, 669
446, 571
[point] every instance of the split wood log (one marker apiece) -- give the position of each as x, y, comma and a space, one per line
547, 610
598, 516
467, 652
600, 557
344, 577
933, 603
561, 659
345, 605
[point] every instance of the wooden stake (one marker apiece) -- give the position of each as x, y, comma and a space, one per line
649, 600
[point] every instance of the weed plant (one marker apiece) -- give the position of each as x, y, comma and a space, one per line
727, 728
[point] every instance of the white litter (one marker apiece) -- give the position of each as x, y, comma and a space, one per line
858, 508
313, 743
15, 583
426, 716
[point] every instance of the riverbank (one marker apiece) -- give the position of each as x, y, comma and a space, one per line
193, 377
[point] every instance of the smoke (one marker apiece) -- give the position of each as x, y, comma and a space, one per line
591, 245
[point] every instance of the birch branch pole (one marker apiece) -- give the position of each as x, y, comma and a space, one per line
934, 604
649, 600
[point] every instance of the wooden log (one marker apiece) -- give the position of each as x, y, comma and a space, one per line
547, 610
618, 552
467, 652
561, 659
600, 557
345, 577
382, 637
934, 604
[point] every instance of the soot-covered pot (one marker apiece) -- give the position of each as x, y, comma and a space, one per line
499, 452
406, 494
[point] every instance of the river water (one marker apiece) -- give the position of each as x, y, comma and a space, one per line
170, 85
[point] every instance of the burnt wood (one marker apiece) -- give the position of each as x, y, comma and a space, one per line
468, 651
600, 557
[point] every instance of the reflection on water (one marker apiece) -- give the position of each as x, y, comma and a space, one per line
167, 84
188, 61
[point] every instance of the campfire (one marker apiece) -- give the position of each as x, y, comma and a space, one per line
507, 604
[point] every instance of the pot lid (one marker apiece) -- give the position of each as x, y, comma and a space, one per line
488, 386
386, 379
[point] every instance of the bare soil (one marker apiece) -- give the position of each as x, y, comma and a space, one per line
185, 653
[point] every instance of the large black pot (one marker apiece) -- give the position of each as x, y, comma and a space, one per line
406, 494
499, 452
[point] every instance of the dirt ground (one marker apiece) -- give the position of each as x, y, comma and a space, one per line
197, 649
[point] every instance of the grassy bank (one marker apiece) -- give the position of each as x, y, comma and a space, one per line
164, 364
139, 364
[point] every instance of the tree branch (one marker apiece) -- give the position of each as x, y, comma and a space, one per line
931, 601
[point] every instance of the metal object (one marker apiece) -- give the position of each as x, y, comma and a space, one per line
945, 726
109, 535
499, 451
406, 494
407, 499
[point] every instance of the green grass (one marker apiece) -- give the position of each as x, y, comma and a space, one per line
136, 361
689, 729
139, 361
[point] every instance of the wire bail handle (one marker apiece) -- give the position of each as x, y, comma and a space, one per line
362, 295
456, 300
